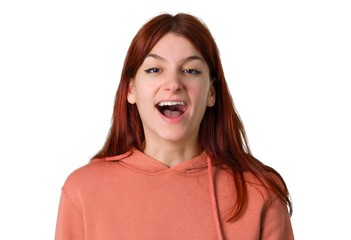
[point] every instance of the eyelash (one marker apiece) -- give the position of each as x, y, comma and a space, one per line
152, 70
189, 71
192, 71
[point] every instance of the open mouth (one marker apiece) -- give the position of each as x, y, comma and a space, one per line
171, 109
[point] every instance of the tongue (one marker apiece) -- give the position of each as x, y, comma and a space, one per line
171, 114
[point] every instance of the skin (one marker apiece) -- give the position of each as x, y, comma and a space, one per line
174, 71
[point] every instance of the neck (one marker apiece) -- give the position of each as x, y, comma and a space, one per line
172, 154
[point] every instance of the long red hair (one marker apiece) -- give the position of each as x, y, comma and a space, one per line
222, 134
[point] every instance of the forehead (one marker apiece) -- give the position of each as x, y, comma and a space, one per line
174, 47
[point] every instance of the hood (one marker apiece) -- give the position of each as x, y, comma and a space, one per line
142, 162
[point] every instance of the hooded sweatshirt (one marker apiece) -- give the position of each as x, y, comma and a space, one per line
133, 196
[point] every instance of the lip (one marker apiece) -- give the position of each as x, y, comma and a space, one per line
172, 120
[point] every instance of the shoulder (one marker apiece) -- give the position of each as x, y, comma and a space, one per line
261, 192
258, 189
95, 171
93, 175
84, 176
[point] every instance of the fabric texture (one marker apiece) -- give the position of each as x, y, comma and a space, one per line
133, 196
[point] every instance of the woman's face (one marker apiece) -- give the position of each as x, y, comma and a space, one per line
172, 89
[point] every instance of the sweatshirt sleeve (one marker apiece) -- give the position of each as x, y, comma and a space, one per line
276, 224
70, 223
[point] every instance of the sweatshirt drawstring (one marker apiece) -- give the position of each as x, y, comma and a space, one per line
213, 200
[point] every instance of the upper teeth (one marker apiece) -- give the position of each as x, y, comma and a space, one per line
161, 104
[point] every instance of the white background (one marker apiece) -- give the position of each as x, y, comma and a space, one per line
287, 64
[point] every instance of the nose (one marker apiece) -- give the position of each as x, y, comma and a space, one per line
173, 82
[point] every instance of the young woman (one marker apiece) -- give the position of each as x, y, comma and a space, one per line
176, 164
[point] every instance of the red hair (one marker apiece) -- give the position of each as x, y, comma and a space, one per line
222, 134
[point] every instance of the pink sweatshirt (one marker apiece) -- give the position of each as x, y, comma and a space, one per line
133, 196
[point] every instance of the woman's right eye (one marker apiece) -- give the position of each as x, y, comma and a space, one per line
152, 70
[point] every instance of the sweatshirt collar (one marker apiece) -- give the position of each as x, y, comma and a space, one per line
142, 162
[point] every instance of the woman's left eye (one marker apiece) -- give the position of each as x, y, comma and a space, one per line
152, 70
192, 71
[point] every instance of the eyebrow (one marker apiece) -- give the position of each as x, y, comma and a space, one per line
190, 58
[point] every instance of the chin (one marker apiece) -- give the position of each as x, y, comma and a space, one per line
175, 136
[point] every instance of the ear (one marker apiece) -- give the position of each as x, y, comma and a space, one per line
211, 96
131, 92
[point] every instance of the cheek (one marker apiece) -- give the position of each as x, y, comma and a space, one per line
200, 93
144, 93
